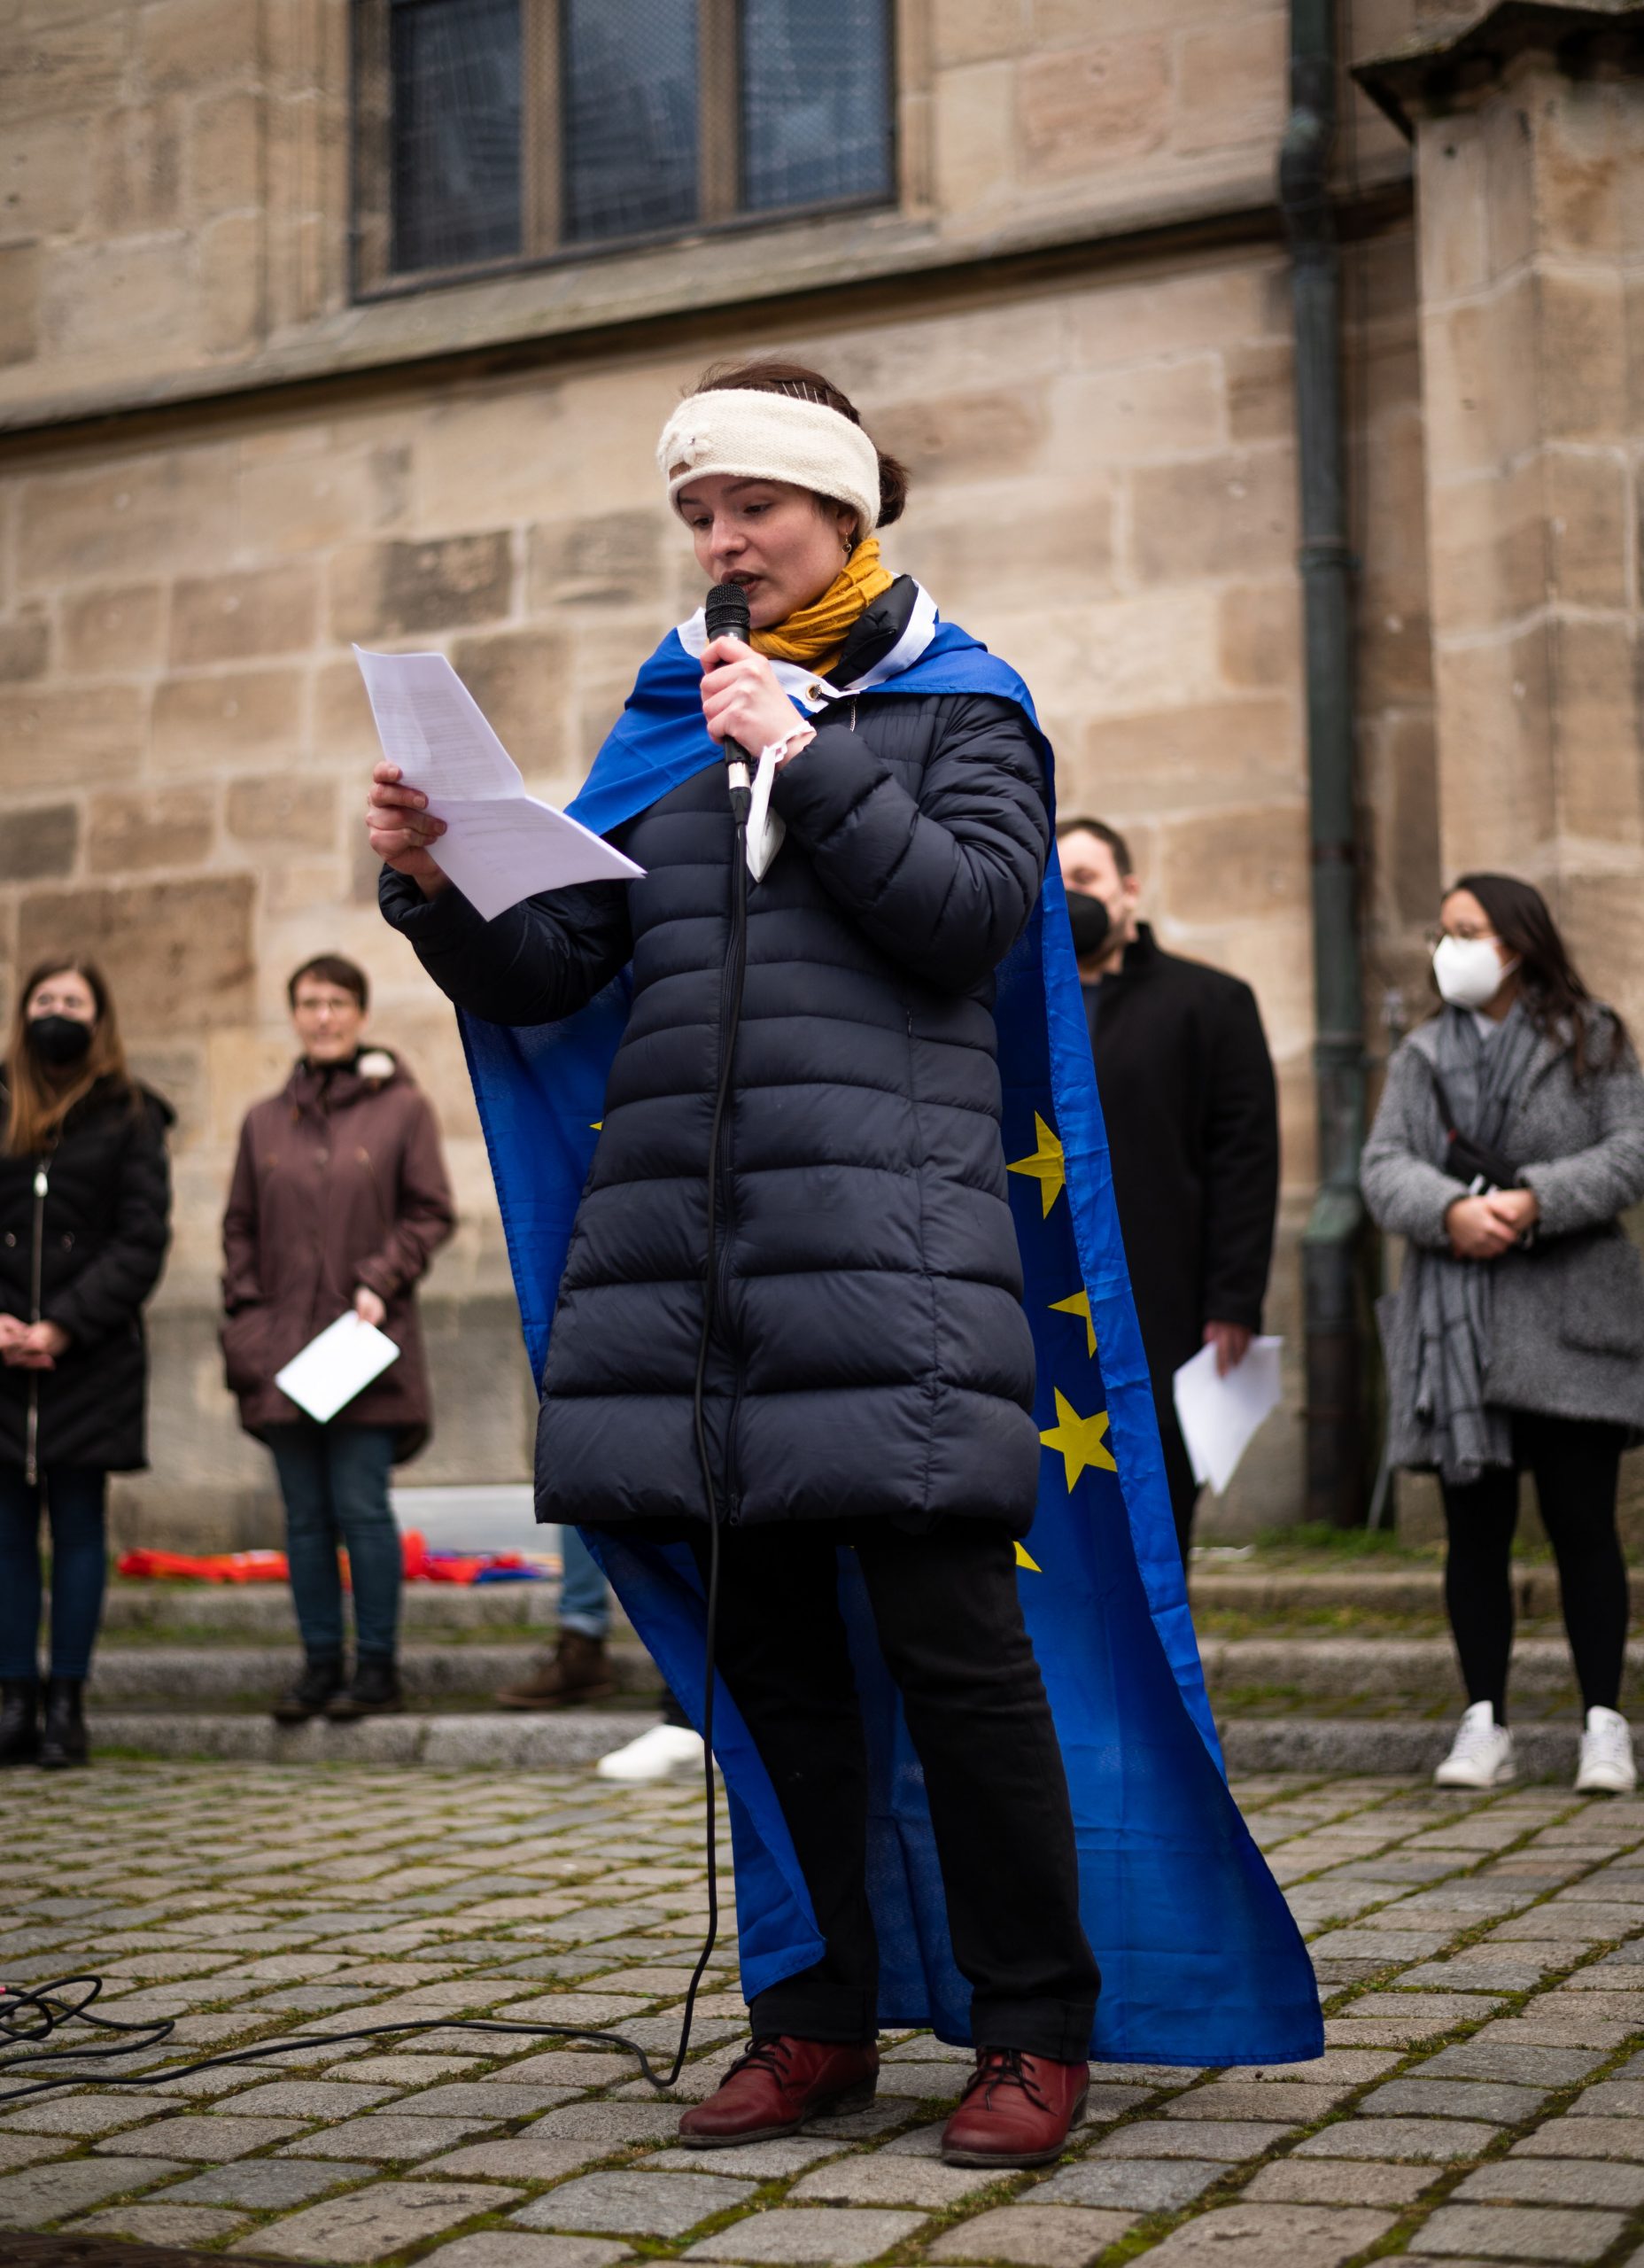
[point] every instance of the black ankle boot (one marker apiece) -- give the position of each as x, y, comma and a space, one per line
322, 1677
374, 1691
20, 1721
63, 1735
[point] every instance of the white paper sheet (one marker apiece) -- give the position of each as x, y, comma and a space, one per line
1219, 1416
341, 1362
500, 844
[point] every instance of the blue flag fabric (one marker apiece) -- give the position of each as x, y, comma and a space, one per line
1201, 1962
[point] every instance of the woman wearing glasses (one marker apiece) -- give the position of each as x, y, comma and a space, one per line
1509, 1139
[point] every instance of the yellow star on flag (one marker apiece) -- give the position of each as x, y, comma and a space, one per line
1046, 1164
1079, 1440
1022, 1560
1079, 1303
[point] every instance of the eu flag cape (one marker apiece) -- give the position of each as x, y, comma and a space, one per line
1201, 1962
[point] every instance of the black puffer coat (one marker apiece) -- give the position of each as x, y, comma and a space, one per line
98, 1237
872, 1358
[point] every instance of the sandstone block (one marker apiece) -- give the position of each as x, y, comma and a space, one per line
392, 589
1408, 770
122, 300
180, 956
972, 132
236, 717
1453, 213
39, 845
1488, 546
137, 165
1144, 410
1482, 393
1215, 515
977, 31
53, 67
46, 183
284, 815
1495, 727
326, 496
499, 455
19, 303
23, 649
1230, 84
120, 628
137, 516
1259, 634
222, 171
165, 827
1261, 381
1092, 108
1585, 374
970, 435
1585, 165
1595, 666
1058, 538
609, 562
187, 43
69, 738
519, 678
1236, 864
1203, 754
230, 293
237, 617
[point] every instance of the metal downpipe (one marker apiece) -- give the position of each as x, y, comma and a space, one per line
1333, 1241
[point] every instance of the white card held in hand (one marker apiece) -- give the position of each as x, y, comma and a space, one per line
1218, 1415
338, 1364
500, 844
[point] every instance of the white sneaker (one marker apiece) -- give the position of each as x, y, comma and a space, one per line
665, 1753
1481, 1755
1606, 1768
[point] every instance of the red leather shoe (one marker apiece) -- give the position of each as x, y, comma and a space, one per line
777, 2085
1018, 2109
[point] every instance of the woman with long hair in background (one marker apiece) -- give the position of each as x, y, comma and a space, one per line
85, 1202
1510, 1137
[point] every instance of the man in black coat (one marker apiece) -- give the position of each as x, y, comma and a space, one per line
1188, 1094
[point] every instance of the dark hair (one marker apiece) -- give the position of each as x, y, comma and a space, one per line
806, 385
1103, 833
38, 1103
331, 968
1555, 999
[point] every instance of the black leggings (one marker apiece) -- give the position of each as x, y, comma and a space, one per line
1576, 1464
950, 1625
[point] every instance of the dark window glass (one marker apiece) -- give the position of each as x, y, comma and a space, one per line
629, 72
816, 102
454, 68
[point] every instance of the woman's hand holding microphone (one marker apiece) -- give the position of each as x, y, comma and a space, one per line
741, 700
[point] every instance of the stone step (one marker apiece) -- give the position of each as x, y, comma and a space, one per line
1418, 1672
142, 1612
1323, 1747
249, 1677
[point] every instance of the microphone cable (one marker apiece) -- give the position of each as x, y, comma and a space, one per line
32, 2014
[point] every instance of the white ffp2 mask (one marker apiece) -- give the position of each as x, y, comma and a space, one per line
1468, 971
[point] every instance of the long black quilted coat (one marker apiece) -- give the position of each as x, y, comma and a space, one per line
872, 1358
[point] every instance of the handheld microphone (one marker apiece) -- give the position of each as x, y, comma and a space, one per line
725, 612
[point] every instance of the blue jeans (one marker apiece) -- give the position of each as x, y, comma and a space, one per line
334, 1479
73, 1502
585, 1594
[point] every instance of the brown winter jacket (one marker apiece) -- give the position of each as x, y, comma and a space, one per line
339, 1183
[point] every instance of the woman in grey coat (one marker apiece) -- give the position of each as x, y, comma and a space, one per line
1510, 1136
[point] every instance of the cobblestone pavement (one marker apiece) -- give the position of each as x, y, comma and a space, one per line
1480, 2098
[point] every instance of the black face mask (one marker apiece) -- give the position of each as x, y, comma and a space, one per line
1089, 922
58, 1040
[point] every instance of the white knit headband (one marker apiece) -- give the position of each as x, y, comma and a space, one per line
757, 436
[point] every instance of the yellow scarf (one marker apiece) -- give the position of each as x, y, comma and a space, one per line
815, 635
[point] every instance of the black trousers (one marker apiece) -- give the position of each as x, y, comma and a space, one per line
1577, 1466
950, 1627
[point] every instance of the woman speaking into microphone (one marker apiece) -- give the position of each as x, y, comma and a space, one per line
753, 1116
